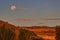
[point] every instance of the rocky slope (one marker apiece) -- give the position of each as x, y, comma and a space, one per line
11, 32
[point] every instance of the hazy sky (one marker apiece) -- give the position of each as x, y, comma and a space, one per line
40, 12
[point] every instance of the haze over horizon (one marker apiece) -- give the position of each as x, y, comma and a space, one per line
31, 12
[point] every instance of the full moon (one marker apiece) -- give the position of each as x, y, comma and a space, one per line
13, 7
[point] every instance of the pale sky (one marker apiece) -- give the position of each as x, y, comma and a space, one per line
31, 12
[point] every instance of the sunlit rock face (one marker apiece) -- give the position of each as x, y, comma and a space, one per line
13, 7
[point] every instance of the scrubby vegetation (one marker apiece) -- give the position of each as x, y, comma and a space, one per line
26, 35
37, 39
57, 32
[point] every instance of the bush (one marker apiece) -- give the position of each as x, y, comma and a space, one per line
57, 32
37, 39
25, 34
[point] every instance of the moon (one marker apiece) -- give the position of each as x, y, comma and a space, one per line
13, 7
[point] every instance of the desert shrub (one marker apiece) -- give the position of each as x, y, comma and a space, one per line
37, 39
22, 34
57, 32
25, 34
